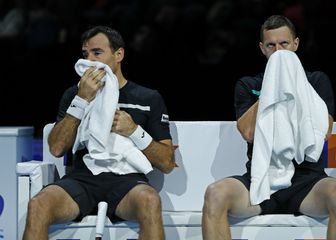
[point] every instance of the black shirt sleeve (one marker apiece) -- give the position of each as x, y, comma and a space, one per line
158, 122
65, 102
322, 85
246, 90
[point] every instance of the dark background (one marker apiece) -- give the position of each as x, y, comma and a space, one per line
192, 51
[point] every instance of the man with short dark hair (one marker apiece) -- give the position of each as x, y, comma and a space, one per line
142, 117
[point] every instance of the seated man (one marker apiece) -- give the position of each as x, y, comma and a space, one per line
311, 191
142, 118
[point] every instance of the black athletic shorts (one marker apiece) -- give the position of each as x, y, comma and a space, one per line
88, 190
287, 201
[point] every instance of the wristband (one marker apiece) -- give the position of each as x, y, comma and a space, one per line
141, 138
77, 107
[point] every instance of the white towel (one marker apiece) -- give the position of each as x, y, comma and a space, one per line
108, 151
292, 122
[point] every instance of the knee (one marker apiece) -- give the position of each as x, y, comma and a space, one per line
36, 210
149, 201
331, 199
211, 192
215, 196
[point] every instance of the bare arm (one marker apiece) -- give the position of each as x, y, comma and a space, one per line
159, 153
63, 134
247, 122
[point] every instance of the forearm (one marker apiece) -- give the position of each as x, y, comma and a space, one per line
161, 155
247, 122
63, 135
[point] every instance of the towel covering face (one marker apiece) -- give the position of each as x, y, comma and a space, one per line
292, 122
108, 151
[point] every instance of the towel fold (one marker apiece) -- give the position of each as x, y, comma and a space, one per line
96, 124
108, 151
292, 122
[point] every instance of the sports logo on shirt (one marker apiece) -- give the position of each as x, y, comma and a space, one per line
165, 118
256, 92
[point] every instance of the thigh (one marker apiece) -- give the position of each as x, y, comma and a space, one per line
134, 201
235, 190
315, 203
84, 191
118, 189
57, 203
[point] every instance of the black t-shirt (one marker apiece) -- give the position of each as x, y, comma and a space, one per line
146, 107
247, 93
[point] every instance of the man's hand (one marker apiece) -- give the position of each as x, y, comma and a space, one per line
123, 123
90, 83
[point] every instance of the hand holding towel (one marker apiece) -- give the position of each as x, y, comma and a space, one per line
108, 151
